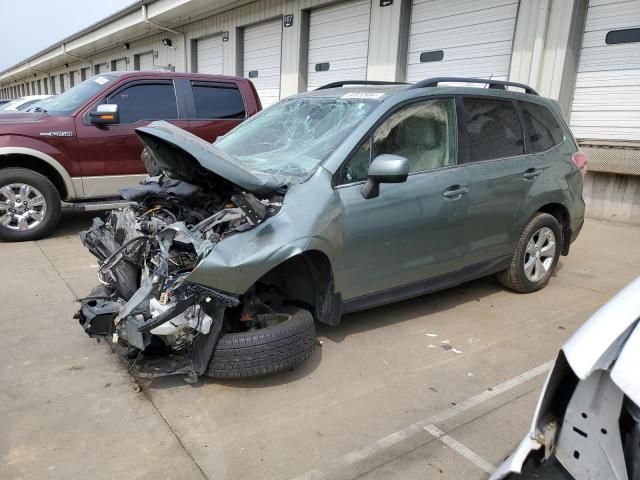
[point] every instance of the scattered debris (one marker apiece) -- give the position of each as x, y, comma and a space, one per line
431, 334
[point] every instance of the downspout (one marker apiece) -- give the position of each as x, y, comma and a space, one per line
64, 51
167, 29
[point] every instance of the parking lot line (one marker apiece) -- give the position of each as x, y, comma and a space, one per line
466, 452
446, 414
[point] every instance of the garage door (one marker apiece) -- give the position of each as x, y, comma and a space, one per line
261, 62
119, 65
209, 55
606, 102
338, 43
462, 38
145, 61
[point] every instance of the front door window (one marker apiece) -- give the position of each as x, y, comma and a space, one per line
424, 133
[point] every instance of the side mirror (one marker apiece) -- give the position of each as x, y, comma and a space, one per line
385, 169
105, 115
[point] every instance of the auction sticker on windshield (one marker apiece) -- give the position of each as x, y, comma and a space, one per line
101, 80
363, 95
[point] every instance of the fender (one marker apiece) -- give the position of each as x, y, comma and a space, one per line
238, 275
66, 178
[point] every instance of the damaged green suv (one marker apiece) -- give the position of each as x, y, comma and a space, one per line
329, 202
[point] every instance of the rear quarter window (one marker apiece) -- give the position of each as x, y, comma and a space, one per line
543, 129
217, 101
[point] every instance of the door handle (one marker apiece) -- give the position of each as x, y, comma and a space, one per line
454, 192
532, 173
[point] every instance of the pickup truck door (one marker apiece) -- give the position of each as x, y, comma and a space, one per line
110, 154
214, 107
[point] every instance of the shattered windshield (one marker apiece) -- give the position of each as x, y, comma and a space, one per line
293, 137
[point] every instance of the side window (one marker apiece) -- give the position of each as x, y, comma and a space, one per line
217, 101
542, 128
146, 101
424, 133
493, 128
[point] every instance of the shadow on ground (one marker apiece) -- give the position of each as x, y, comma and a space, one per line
72, 223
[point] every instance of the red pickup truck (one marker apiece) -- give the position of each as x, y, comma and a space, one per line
80, 148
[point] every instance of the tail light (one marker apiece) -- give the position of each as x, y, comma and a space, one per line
580, 159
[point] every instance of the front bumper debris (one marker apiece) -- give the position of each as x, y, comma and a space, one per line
145, 305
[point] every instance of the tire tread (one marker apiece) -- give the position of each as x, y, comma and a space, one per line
264, 352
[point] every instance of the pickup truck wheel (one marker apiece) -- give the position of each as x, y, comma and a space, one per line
536, 255
29, 205
283, 345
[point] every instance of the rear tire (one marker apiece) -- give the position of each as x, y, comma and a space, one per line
265, 351
29, 205
536, 255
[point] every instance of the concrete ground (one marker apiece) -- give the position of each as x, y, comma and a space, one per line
381, 399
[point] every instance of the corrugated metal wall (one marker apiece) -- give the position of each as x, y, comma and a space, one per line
608, 81
606, 101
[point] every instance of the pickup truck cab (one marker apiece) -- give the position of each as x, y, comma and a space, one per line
81, 147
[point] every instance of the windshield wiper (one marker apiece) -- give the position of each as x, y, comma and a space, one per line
39, 109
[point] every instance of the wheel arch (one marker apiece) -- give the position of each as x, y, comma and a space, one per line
307, 278
562, 215
21, 157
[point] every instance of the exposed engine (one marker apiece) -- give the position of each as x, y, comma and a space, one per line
146, 251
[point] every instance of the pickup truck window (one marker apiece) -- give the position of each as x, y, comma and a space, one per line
146, 101
217, 101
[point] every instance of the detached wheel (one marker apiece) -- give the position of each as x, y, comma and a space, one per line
287, 341
29, 205
536, 255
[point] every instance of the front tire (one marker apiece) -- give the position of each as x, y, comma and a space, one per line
536, 255
265, 351
29, 205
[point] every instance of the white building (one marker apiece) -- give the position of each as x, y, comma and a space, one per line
584, 53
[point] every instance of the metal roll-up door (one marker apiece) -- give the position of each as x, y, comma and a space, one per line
119, 65
209, 55
462, 38
606, 101
261, 59
338, 43
145, 61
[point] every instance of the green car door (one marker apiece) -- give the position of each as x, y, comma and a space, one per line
503, 179
413, 230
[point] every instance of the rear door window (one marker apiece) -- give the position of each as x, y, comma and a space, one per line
146, 101
217, 101
493, 129
543, 129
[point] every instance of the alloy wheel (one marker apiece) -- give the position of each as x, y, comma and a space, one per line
22, 207
539, 255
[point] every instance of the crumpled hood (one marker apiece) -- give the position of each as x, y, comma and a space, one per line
20, 117
186, 157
